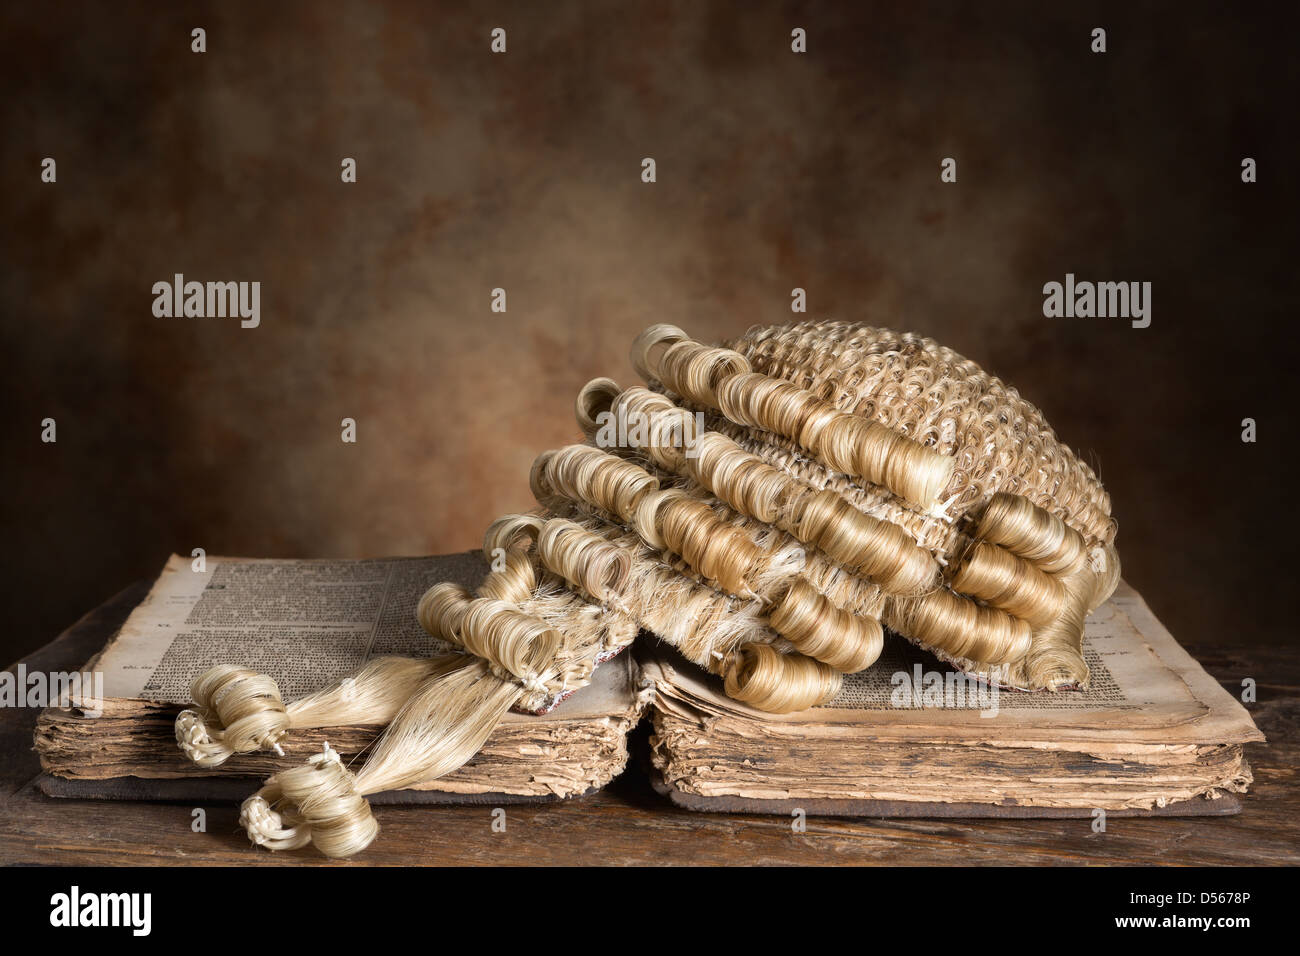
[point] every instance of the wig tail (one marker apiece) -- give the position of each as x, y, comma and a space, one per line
439, 729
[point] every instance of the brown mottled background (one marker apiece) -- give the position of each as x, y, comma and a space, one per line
522, 171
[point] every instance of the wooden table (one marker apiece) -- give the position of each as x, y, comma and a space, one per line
628, 823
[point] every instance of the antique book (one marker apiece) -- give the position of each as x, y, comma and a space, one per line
911, 736
306, 624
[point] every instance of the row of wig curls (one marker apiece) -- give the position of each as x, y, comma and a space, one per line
722, 379
492, 625
827, 637
1033, 585
996, 631
667, 434
1010, 580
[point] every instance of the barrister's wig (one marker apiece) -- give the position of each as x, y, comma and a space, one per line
769, 508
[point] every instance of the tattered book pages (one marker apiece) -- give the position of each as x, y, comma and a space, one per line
1152, 729
306, 624
303, 623
1144, 688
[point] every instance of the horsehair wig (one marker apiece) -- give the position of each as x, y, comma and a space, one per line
1020, 526
768, 507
